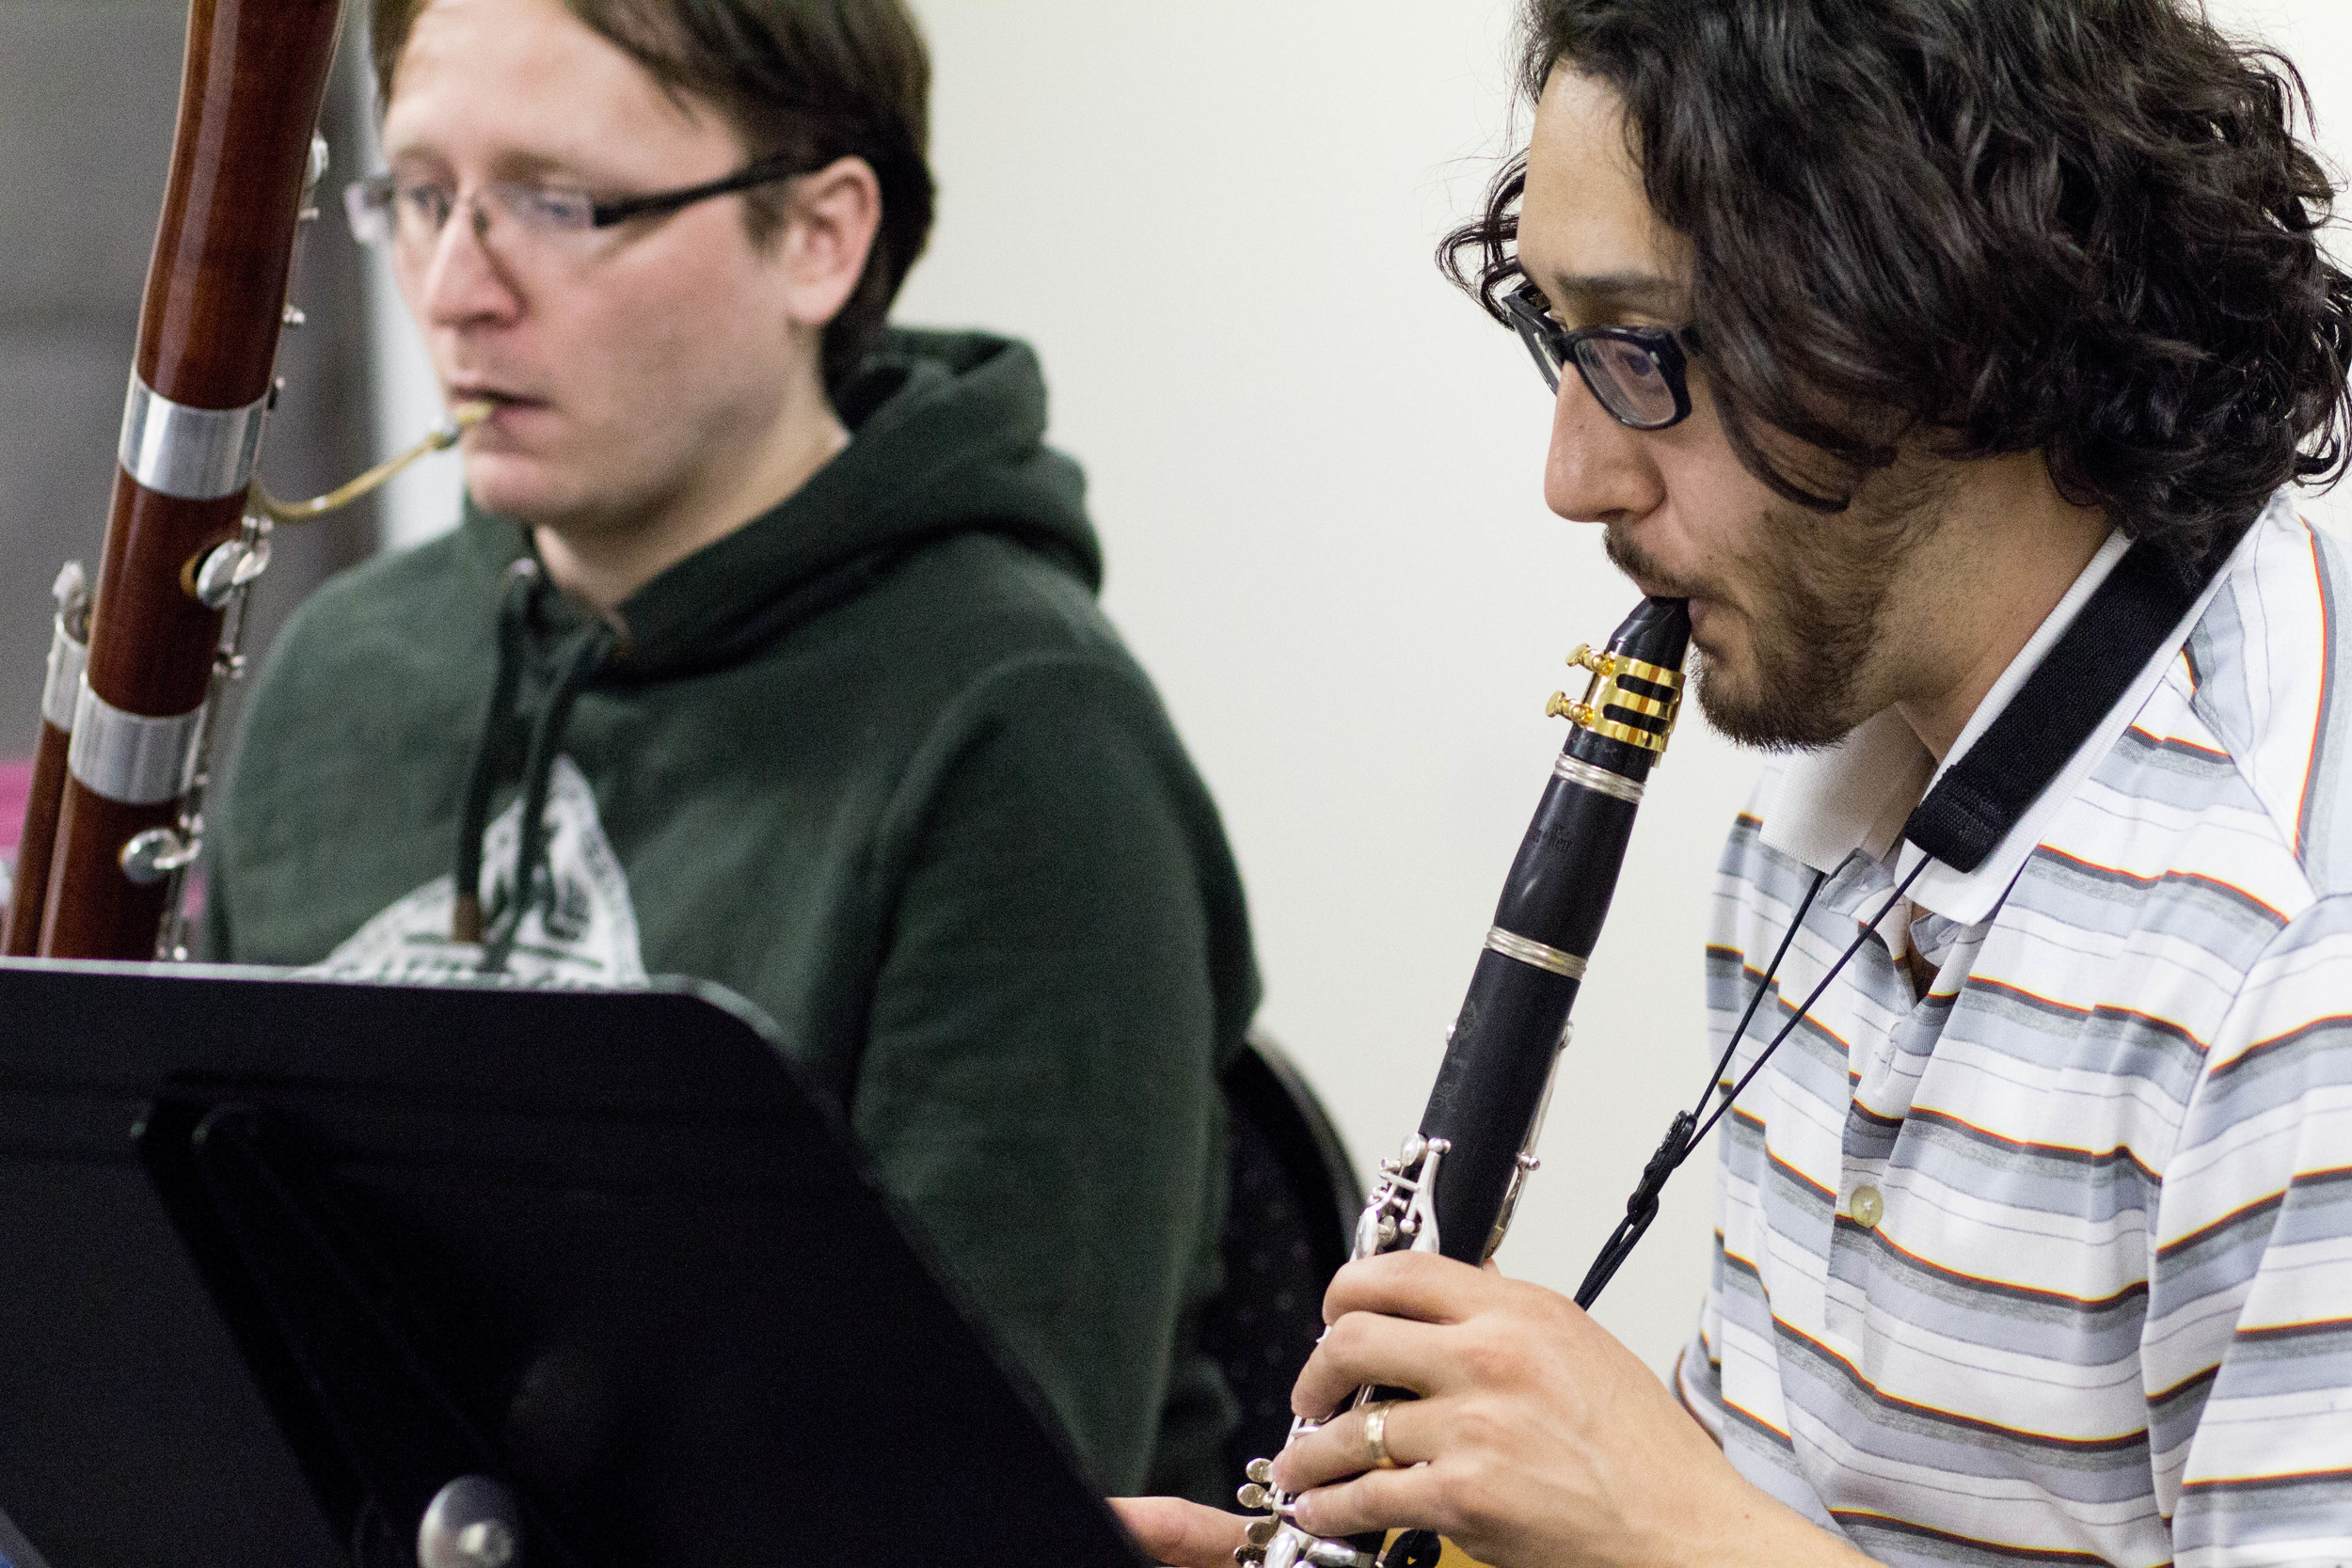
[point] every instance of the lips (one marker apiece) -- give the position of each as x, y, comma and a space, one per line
510, 420
498, 397
1648, 574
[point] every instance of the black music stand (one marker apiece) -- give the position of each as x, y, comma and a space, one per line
281, 1257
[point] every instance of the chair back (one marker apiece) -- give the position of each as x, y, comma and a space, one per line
1290, 1219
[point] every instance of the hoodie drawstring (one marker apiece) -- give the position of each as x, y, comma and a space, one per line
522, 582
585, 656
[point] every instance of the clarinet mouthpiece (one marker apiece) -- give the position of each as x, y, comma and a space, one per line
1635, 690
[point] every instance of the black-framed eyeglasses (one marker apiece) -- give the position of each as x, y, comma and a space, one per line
1639, 375
410, 215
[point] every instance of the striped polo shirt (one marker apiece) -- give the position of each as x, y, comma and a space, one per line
2054, 1263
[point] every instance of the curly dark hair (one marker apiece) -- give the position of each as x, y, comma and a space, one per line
2084, 227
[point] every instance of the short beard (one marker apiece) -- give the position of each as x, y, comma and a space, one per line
1818, 596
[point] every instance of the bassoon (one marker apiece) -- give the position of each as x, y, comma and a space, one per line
137, 661
179, 547
1452, 1187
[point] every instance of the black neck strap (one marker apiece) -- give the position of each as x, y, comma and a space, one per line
2129, 618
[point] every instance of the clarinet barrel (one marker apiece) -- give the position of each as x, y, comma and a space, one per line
1451, 1189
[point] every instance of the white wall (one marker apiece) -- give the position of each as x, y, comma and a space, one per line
1316, 470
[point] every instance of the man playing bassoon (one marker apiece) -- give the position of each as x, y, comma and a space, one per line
768, 653
2035, 1238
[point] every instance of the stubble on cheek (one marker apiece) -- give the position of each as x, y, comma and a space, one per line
1793, 665
1820, 601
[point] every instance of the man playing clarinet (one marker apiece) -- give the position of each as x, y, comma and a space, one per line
1903, 339
767, 653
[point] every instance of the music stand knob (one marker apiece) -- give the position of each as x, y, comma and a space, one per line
471, 1523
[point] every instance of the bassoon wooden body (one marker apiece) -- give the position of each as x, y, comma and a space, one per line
177, 547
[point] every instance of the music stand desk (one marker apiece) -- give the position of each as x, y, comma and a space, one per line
281, 1256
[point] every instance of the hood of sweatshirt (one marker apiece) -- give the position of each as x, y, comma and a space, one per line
947, 437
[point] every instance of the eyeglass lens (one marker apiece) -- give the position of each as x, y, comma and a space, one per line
364, 203
1627, 379
411, 218
1624, 377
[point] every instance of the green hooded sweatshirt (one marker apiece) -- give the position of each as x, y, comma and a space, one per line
875, 761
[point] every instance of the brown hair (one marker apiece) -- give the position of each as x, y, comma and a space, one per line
808, 80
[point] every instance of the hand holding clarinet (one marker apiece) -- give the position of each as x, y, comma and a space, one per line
1445, 1398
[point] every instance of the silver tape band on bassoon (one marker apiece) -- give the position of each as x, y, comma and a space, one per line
1579, 772
1512, 945
197, 455
62, 694
128, 757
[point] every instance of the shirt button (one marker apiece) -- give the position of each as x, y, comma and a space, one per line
1866, 1206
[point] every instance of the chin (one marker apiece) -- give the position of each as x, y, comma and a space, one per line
1724, 658
1792, 713
1729, 692
516, 486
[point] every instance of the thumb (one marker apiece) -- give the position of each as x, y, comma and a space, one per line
1181, 1533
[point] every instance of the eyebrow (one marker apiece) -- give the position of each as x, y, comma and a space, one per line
1626, 291
540, 166
511, 165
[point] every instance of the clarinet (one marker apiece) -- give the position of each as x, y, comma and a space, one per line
1452, 1187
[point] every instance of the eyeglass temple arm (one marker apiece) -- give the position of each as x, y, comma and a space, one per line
604, 214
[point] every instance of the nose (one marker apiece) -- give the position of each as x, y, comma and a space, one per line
461, 281
1598, 471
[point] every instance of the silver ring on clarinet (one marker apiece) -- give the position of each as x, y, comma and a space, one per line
1376, 1434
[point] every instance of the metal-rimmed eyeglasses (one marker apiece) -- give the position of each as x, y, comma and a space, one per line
409, 215
1639, 375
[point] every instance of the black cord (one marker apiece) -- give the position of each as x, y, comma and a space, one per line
1724, 1103
1688, 1130
1763, 984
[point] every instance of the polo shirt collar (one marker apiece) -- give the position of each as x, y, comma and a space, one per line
1856, 795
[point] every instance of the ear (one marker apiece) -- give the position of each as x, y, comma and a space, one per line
828, 233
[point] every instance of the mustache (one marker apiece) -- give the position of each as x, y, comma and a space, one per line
1644, 568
